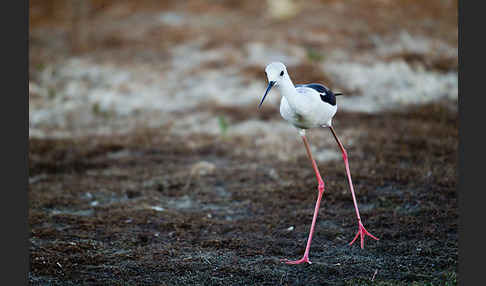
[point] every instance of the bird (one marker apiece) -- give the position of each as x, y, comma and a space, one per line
308, 106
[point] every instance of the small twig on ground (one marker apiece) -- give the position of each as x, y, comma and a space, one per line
281, 278
374, 274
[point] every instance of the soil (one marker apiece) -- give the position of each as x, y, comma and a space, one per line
133, 209
213, 191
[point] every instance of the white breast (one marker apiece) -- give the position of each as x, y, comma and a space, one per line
309, 111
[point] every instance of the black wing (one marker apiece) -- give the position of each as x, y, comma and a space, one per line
326, 94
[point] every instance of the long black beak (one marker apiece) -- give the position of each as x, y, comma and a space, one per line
270, 85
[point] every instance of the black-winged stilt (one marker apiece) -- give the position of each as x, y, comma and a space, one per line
310, 106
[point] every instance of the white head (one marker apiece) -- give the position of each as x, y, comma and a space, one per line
276, 73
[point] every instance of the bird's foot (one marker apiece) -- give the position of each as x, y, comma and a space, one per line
362, 232
304, 259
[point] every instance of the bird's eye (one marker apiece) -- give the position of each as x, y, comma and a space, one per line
281, 73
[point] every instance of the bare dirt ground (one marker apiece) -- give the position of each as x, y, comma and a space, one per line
141, 171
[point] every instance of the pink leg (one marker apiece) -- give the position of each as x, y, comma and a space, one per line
305, 258
361, 229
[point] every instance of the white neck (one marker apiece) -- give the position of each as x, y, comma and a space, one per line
288, 90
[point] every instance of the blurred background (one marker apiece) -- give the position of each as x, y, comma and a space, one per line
98, 67
149, 161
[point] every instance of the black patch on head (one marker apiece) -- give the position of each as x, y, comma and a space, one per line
326, 94
281, 73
